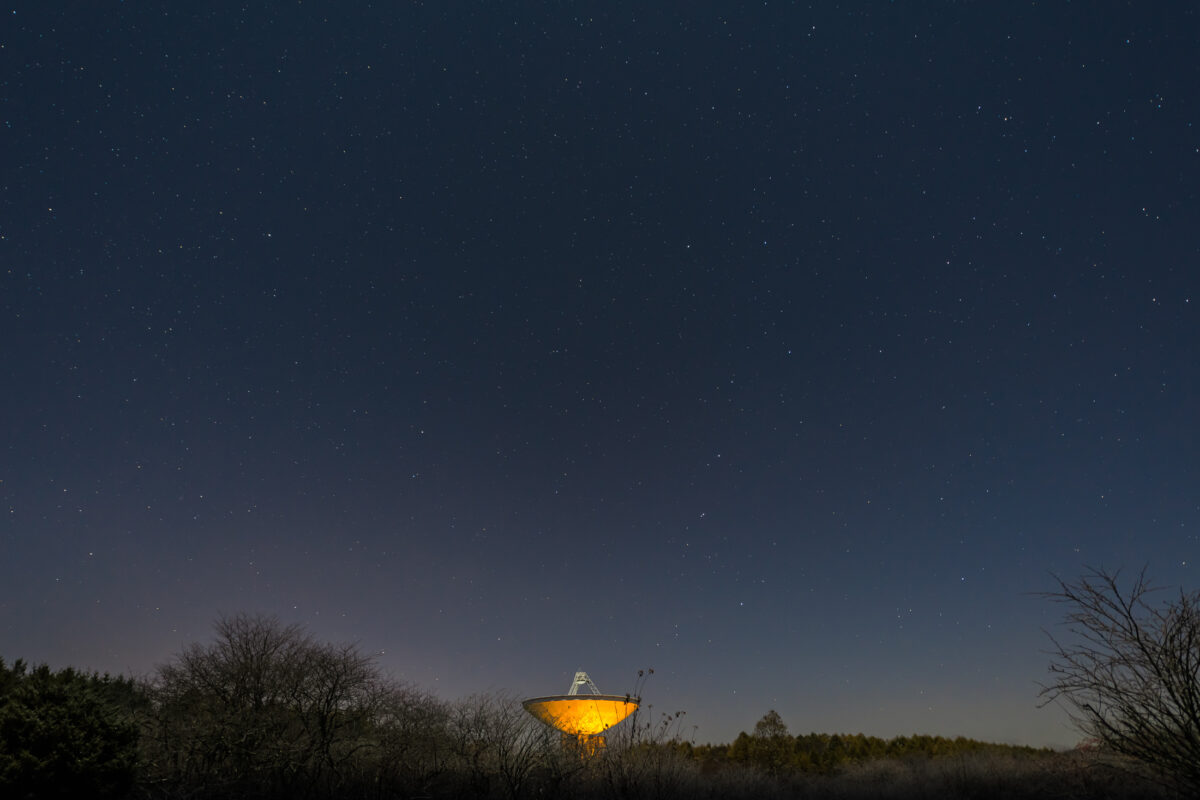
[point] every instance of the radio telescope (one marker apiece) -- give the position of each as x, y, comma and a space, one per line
582, 717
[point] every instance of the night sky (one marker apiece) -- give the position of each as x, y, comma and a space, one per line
787, 349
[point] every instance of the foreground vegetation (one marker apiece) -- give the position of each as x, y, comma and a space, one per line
264, 711
1128, 669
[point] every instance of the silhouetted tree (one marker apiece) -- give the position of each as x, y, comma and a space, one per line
494, 741
770, 726
263, 709
413, 739
1129, 672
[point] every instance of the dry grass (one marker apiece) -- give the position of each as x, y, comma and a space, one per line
1061, 776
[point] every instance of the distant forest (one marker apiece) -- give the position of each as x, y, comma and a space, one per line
773, 749
265, 711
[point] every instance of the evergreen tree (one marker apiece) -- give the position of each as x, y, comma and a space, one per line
65, 733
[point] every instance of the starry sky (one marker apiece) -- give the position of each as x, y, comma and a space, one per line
785, 348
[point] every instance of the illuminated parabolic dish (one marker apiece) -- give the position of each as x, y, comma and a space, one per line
582, 715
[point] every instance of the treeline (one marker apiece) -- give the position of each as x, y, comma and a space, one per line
772, 749
264, 711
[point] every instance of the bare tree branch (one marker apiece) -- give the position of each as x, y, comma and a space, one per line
1128, 672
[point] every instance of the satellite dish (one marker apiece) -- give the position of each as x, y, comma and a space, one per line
582, 717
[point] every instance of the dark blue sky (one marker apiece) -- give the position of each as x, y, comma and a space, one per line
786, 349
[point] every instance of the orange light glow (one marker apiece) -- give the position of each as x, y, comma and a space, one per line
581, 714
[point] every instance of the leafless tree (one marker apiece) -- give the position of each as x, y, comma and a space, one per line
263, 707
1128, 670
414, 746
493, 738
